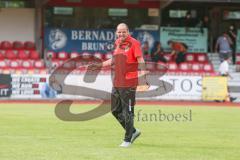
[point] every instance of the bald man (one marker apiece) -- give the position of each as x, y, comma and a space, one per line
127, 58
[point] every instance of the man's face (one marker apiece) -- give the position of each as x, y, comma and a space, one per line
122, 32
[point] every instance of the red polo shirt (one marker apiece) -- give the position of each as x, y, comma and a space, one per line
125, 62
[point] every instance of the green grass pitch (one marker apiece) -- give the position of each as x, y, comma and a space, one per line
33, 132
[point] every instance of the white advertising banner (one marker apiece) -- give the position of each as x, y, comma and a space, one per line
194, 38
27, 86
30, 86
184, 88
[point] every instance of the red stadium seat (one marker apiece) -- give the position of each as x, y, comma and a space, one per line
190, 57
14, 64
29, 45
27, 64
52, 53
172, 67
208, 69
2, 56
108, 55
184, 68
86, 55
18, 45
56, 63
34, 55
39, 64
3, 64
39, 67
22, 54
6, 45
202, 58
9, 54
99, 55
74, 54
196, 68
62, 55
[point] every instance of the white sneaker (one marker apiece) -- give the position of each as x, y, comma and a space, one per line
136, 134
125, 144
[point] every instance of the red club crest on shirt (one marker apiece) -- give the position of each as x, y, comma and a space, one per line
126, 45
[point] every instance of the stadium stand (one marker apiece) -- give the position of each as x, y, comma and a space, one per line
18, 57
196, 63
23, 55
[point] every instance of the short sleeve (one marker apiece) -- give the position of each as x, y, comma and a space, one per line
137, 50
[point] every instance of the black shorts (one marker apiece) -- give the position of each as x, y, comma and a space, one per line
123, 97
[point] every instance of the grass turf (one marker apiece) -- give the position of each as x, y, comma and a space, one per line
32, 132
